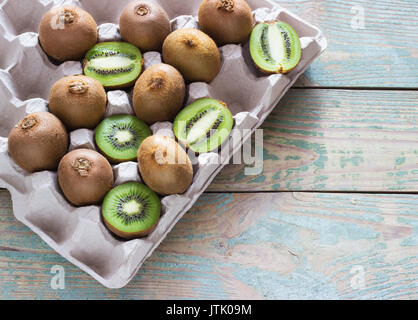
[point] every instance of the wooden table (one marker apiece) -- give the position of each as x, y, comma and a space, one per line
334, 215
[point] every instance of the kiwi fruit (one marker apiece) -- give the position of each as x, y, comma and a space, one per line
85, 177
203, 125
78, 101
159, 94
144, 24
38, 142
119, 137
226, 21
131, 210
164, 165
114, 64
275, 47
193, 53
67, 33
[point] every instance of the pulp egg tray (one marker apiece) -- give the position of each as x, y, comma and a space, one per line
26, 76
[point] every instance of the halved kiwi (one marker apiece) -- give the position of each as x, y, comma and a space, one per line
131, 210
119, 137
114, 64
203, 125
275, 47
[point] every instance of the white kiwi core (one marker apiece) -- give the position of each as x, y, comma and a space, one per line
276, 44
132, 207
114, 62
123, 136
202, 126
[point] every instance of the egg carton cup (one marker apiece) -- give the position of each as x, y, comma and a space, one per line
26, 76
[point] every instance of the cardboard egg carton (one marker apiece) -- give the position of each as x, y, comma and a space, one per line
26, 76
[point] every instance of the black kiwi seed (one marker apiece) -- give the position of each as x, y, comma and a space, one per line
265, 44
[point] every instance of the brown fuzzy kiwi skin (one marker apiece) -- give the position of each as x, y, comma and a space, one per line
226, 21
144, 24
164, 166
85, 177
78, 101
68, 40
130, 236
38, 142
193, 53
159, 94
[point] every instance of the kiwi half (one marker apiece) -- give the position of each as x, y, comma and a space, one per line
275, 47
114, 64
119, 137
131, 210
203, 125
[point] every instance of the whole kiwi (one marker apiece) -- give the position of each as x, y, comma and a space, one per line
164, 165
226, 21
78, 101
38, 142
193, 53
67, 33
159, 94
145, 24
85, 176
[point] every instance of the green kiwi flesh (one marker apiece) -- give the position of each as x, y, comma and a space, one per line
114, 64
119, 137
275, 47
131, 210
203, 125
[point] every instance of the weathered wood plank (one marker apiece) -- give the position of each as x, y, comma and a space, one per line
336, 140
255, 246
383, 54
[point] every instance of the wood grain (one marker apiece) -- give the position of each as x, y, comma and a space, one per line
383, 54
252, 246
335, 140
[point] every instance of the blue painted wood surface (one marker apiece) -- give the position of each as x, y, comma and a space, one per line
247, 246
380, 52
335, 140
